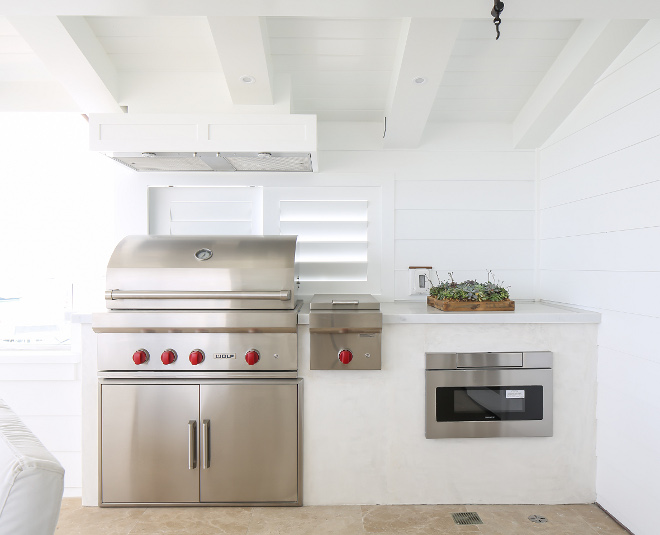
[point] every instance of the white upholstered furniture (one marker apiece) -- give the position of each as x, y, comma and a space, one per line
31, 480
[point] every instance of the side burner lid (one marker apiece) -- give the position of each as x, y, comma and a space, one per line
344, 302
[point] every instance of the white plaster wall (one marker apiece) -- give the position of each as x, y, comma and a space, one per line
364, 430
599, 235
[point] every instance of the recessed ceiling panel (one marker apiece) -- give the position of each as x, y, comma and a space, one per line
340, 69
490, 80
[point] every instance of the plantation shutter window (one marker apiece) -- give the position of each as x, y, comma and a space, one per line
338, 228
338, 233
205, 211
332, 238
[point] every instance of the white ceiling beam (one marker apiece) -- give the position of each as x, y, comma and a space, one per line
242, 45
71, 52
470, 9
425, 46
586, 56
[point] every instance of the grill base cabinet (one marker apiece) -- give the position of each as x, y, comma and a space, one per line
235, 442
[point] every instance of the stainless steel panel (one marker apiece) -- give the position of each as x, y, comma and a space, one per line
196, 376
484, 360
192, 321
145, 443
491, 377
345, 321
222, 351
253, 451
235, 264
451, 361
324, 351
344, 302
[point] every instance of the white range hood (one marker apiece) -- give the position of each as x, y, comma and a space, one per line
216, 143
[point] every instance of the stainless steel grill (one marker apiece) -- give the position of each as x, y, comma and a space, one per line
201, 403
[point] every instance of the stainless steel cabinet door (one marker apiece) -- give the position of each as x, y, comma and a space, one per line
147, 439
251, 452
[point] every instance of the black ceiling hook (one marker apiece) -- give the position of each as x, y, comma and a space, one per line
498, 7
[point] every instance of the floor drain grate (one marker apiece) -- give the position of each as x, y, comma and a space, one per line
466, 518
538, 519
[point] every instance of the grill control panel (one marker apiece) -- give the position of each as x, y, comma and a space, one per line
205, 351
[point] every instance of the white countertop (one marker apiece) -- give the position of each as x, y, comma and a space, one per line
526, 312
420, 312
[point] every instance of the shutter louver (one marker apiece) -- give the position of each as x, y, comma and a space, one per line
206, 218
332, 238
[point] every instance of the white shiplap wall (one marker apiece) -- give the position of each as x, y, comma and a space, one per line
599, 236
466, 211
45, 392
464, 202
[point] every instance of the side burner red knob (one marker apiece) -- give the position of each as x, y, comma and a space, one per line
252, 357
196, 357
168, 356
345, 356
140, 356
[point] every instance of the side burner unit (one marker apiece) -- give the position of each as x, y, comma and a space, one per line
344, 332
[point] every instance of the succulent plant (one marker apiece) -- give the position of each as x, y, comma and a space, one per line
470, 290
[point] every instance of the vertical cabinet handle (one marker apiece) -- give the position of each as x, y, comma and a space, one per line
192, 444
205, 450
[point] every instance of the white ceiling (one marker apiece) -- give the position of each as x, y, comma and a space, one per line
63, 56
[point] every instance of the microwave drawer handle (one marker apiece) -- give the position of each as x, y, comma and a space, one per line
349, 302
113, 295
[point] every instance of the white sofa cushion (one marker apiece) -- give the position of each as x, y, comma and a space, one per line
31, 480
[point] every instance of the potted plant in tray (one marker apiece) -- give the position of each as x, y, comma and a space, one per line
469, 295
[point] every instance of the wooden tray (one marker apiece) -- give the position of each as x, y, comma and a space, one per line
466, 306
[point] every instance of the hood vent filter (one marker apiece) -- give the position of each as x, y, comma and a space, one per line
271, 163
212, 161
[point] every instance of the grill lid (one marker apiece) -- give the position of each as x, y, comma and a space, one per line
202, 272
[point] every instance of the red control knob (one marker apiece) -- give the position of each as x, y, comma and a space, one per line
140, 356
345, 356
196, 357
252, 357
168, 356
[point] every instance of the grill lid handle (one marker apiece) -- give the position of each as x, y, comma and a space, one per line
112, 295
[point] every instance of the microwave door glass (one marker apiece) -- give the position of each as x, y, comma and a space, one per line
484, 403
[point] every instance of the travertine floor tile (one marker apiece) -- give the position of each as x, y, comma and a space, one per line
194, 520
78, 520
514, 520
333, 520
598, 519
316, 520
413, 519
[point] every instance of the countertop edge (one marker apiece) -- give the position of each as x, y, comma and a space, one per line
533, 312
